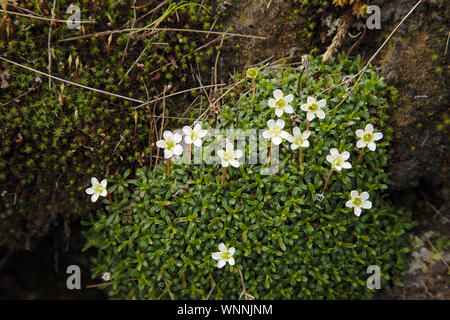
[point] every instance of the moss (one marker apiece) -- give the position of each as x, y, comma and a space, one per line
54, 139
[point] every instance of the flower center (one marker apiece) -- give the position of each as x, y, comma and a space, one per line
368, 137
281, 103
225, 256
228, 156
98, 189
298, 140
357, 202
338, 162
275, 131
194, 135
313, 107
170, 144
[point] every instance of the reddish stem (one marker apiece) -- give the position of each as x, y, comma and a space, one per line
110, 199
270, 150
326, 181
223, 175
301, 160
360, 155
307, 126
168, 166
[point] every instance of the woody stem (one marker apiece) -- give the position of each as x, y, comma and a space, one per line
360, 155
168, 166
326, 181
307, 126
223, 175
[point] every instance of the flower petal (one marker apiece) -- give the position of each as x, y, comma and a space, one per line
305, 144
372, 146
278, 112
271, 102
365, 195
345, 155
220, 153
285, 135
320, 114
294, 146
278, 94
238, 154
161, 144
231, 261
225, 164
235, 163
220, 264
357, 211
222, 247
104, 193
322, 103
359, 133
304, 107
369, 128
310, 116
90, 190
306, 134
360, 144
167, 135
277, 140
94, 181
187, 130
289, 98
296, 131
377, 136
367, 205
354, 194
231, 250
271, 123
267, 134
349, 204
310, 100
334, 152
94, 197
177, 138
346, 165
188, 140
288, 109
280, 123
104, 183
177, 150
216, 255
168, 154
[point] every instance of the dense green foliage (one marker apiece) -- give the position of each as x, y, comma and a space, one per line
54, 140
163, 229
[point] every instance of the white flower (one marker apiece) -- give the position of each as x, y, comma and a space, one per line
368, 137
313, 108
337, 159
299, 139
106, 276
224, 255
97, 189
281, 102
170, 144
276, 132
194, 135
230, 156
358, 201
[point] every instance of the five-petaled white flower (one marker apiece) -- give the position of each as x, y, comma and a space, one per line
313, 108
281, 103
194, 135
338, 160
230, 156
170, 144
299, 139
358, 201
368, 137
98, 189
276, 132
224, 255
